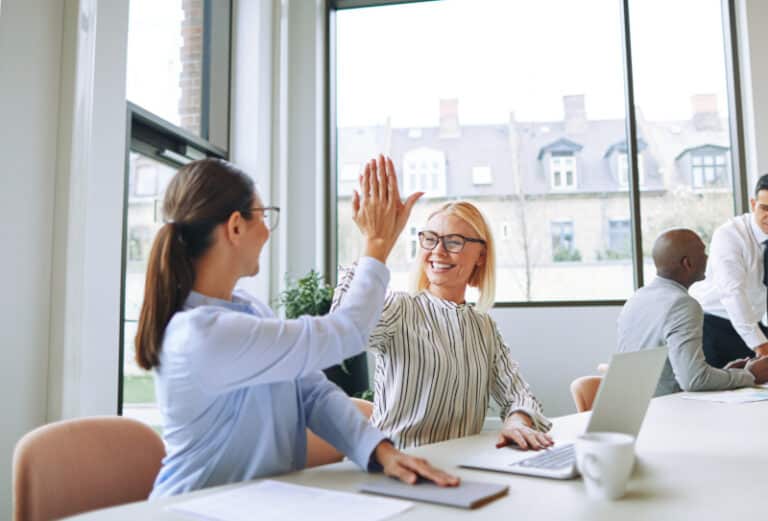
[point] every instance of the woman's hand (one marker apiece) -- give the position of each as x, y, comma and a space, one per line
409, 468
517, 430
377, 208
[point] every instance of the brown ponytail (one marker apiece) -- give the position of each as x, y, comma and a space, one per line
201, 195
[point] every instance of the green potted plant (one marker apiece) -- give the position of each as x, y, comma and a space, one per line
310, 295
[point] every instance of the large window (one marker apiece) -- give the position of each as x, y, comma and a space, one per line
173, 119
535, 133
522, 132
685, 118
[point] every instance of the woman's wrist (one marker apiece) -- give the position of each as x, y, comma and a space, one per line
378, 249
382, 451
517, 419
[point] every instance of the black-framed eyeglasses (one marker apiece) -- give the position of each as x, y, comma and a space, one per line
271, 215
453, 242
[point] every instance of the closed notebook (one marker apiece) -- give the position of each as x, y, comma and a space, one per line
469, 494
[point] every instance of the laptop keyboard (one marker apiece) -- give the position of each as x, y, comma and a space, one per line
557, 458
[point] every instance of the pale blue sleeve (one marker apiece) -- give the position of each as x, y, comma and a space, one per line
229, 350
335, 418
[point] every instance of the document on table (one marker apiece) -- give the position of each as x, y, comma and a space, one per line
279, 501
744, 395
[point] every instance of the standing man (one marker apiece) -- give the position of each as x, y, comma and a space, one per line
734, 293
663, 314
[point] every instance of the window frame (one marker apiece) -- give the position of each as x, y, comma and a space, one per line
563, 227
737, 164
698, 163
150, 135
564, 186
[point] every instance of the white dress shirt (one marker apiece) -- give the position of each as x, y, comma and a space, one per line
734, 287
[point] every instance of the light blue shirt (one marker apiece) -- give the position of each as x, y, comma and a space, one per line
237, 387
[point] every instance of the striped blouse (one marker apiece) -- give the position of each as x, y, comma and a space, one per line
437, 364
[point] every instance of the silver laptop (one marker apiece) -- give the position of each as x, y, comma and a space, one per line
620, 406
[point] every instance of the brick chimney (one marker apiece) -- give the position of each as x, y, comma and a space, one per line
449, 118
575, 114
191, 65
705, 113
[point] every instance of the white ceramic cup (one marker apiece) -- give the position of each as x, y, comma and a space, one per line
605, 460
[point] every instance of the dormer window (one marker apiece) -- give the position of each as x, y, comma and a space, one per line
623, 169
562, 168
481, 175
707, 166
618, 160
709, 170
424, 171
559, 162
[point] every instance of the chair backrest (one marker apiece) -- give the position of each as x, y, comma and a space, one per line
584, 389
73, 466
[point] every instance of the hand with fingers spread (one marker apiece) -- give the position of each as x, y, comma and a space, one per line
377, 209
409, 469
517, 430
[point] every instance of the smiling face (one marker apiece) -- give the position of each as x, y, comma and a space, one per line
449, 273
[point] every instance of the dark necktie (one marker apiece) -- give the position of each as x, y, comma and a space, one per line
765, 262
765, 267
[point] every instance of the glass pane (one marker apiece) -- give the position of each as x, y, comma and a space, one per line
545, 120
165, 59
143, 222
680, 86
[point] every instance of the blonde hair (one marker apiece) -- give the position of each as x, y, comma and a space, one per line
483, 277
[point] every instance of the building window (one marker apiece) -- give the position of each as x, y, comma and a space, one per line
709, 170
481, 175
348, 178
623, 169
424, 171
563, 245
177, 85
413, 243
619, 239
505, 230
562, 168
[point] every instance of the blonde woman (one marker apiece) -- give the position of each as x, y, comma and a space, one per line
439, 359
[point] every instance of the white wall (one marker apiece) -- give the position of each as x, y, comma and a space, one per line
29, 107
62, 104
556, 345
85, 303
752, 17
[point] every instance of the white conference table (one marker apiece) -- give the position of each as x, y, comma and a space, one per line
696, 460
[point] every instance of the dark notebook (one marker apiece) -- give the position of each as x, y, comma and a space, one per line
469, 494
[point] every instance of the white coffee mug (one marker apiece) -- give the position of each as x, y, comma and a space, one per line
605, 460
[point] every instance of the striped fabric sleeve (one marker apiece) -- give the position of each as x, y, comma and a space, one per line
509, 389
388, 323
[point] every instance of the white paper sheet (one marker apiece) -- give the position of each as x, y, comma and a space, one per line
745, 395
279, 501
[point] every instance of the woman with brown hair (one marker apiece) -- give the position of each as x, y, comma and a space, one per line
236, 386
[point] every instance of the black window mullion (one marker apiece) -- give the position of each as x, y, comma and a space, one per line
631, 137
735, 108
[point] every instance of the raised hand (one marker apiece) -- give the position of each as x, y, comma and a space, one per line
377, 209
